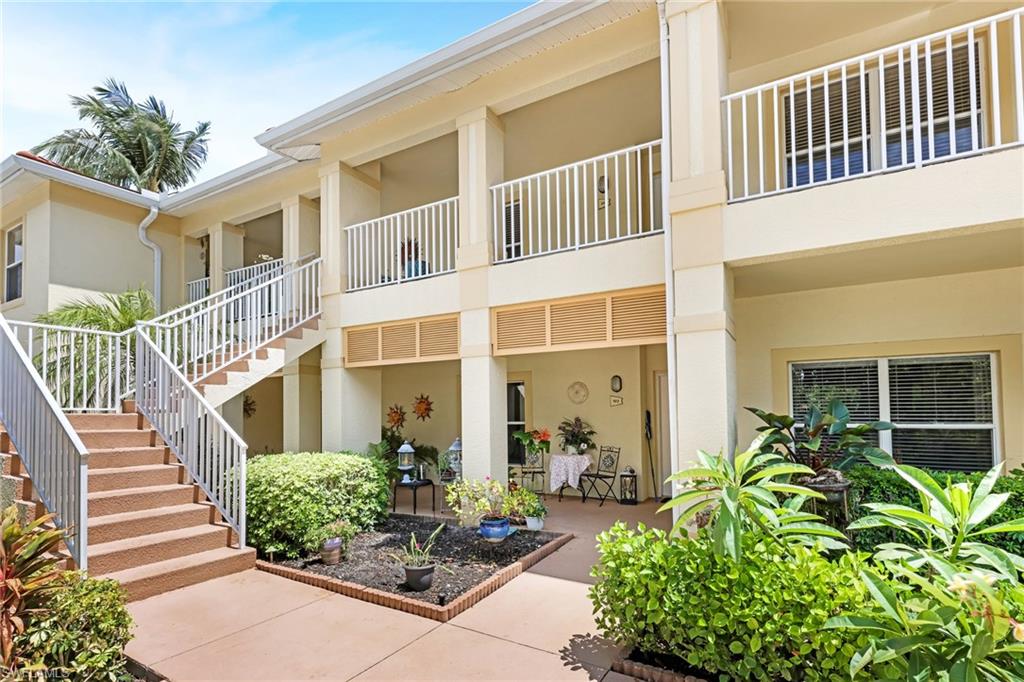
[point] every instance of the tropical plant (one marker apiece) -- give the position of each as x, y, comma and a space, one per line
577, 433
132, 144
341, 529
741, 496
949, 527
472, 500
82, 632
520, 502
417, 554
29, 567
759, 619
535, 441
108, 313
826, 439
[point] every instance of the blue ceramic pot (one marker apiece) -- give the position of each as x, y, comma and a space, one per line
494, 530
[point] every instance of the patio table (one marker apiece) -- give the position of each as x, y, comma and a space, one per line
566, 470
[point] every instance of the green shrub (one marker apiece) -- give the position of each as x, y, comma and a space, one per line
758, 619
82, 632
872, 484
290, 496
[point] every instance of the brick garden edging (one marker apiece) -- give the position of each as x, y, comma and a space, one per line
643, 671
409, 605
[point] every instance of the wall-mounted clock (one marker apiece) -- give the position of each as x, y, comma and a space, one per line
578, 392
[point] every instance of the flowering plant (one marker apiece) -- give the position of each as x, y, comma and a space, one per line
535, 441
417, 554
473, 500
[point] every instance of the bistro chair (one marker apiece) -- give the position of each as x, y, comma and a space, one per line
607, 470
533, 466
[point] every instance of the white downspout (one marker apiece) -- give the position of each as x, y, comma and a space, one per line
154, 211
666, 221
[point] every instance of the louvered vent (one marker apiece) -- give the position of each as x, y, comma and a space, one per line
439, 337
398, 341
637, 316
361, 345
521, 328
579, 322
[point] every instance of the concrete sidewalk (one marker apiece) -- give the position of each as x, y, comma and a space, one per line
255, 626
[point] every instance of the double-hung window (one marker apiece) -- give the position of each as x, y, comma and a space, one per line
516, 399
14, 263
835, 134
942, 406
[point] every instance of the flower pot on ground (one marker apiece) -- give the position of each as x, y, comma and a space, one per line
332, 540
534, 523
524, 505
417, 562
494, 528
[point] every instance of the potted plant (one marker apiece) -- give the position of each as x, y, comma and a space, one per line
519, 502
825, 442
331, 540
535, 512
417, 561
575, 435
482, 503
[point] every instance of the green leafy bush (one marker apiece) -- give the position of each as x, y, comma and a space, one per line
871, 484
758, 619
290, 496
82, 632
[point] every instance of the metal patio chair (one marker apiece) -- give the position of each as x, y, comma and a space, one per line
607, 470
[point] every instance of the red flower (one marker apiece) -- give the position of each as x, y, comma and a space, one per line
543, 435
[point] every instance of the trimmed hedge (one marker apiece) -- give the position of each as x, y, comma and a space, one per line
759, 619
81, 632
289, 497
871, 484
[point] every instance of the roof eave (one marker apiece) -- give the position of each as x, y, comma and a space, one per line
15, 164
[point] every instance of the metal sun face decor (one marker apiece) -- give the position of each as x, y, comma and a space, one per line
396, 416
422, 407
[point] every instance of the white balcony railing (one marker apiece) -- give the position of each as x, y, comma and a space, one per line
197, 289
256, 273
86, 370
604, 199
943, 96
413, 244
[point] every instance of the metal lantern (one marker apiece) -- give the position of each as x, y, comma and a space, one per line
627, 487
455, 457
405, 461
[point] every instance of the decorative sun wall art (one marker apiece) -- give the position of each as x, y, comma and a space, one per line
422, 407
396, 416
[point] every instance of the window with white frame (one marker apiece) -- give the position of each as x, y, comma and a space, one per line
14, 262
868, 109
942, 406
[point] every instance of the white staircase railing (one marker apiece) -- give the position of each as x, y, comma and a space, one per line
86, 370
206, 337
212, 453
259, 272
52, 453
197, 289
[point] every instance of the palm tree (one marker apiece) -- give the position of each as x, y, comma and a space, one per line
134, 144
112, 313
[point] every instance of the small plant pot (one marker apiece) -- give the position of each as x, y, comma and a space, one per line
494, 530
534, 523
419, 578
330, 553
570, 450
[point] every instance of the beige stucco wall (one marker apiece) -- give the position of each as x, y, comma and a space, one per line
32, 212
968, 312
263, 431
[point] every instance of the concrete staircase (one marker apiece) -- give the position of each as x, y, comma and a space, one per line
149, 527
233, 379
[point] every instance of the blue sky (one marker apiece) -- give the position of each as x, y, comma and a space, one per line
243, 66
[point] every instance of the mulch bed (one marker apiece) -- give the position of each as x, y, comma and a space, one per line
659, 668
468, 568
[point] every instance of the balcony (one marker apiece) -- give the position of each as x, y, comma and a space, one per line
945, 96
259, 272
603, 199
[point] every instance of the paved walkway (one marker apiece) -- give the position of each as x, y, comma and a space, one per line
255, 626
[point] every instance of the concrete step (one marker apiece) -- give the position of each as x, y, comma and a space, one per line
117, 438
105, 421
133, 524
14, 488
137, 499
145, 475
152, 579
110, 458
118, 555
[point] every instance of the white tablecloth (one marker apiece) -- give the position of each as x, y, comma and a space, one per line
567, 469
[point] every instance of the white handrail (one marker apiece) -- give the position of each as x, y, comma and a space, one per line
86, 370
248, 272
413, 244
212, 453
53, 455
922, 101
606, 198
197, 289
203, 341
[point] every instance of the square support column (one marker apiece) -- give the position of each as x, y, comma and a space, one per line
351, 400
226, 244
484, 410
300, 228
347, 196
302, 405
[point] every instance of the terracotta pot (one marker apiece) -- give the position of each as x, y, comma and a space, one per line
419, 578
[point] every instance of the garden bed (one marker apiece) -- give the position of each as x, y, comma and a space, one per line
658, 668
468, 567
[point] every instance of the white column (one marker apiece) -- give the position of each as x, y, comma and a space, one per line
351, 400
302, 406
483, 385
300, 228
226, 242
702, 281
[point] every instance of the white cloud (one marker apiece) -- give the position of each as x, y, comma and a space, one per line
231, 64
